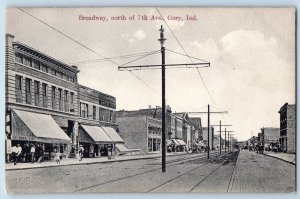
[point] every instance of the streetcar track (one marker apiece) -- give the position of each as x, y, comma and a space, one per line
137, 174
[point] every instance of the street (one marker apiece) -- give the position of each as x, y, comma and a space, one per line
185, 173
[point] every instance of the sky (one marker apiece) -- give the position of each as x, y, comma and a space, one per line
251, 51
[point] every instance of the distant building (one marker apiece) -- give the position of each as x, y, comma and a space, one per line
271, 135
287, 138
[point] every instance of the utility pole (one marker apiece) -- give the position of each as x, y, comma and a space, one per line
221, 133
208, 125
226, 131
163, 68
163, 100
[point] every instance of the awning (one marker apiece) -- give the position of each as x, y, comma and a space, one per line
96, 133
122, 148
36, 127
181, 142
178, 142
114, 136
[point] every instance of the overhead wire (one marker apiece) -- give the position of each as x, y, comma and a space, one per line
186, 55
79, 43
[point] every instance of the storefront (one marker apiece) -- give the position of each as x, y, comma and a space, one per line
98, 141
38, 130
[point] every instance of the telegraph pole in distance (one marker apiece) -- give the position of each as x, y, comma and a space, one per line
163, 100
208, 125
221, 134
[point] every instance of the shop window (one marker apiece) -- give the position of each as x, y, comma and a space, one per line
44, 95
36, 93
18, 88
28, 90
149, 144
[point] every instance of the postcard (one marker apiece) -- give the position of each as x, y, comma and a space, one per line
150, 100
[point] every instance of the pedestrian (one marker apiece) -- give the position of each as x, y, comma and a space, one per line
80, 151
56, 157
32, 153
40, 152
16, 152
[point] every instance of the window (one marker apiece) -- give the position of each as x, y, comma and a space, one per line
36, 93
72, 97
94, 112
18, 88
60, 100
28, 90
59, 74
44, 68
19, 58
27, 61
87, 110
53, 95
83, 110
44, 95
66, 101
36, 64
52, 72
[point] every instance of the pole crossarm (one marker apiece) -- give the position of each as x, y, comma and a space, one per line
221, 125
158, 66
222, 112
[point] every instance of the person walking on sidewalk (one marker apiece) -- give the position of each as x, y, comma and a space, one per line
56, 157
32, 153
80, 151
16, 152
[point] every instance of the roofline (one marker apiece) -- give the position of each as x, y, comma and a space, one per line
72, 68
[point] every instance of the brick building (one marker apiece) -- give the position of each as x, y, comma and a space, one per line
271, 136
43, 105
40, 94
287, 138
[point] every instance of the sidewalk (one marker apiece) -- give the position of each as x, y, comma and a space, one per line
291, 158
71, 161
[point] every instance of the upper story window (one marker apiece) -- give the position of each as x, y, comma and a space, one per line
36, 64
19, 58
27, 61
66, 101
94, 112
28, 90
44, 68
60, 102
18, 87
44, 95
36, 93
53, 95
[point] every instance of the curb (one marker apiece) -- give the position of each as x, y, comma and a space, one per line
279, 159
88, 163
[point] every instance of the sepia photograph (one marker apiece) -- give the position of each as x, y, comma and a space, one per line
150, 100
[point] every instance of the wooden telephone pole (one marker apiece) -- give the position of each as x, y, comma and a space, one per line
163, 66
225, 137
221, 134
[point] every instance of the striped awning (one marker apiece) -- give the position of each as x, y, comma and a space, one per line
29, 126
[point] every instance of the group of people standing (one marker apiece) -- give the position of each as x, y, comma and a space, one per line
29, 153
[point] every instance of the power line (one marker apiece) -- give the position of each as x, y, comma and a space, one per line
67, 36
155, 52
117, 57
186, 55
79, 43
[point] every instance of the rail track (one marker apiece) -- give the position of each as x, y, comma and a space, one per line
168, 164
